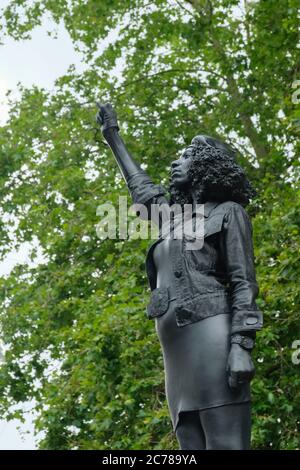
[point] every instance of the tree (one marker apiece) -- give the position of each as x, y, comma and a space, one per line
77, 339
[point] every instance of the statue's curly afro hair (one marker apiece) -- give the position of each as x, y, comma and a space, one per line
215, 174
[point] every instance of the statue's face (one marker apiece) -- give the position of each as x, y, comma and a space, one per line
180, 167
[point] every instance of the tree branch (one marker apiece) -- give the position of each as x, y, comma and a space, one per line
260, 147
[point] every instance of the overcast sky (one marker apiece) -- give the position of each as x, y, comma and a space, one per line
37, 61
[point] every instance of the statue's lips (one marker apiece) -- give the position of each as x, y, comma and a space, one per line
175, 173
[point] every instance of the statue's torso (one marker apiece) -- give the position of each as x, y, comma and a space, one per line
163, 265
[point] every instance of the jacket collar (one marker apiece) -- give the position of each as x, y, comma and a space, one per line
208, 207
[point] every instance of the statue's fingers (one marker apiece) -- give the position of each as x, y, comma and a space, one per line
103, 109
99, 118
233, 379
242, 376
100, 105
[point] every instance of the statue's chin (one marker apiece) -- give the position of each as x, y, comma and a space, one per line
181, 184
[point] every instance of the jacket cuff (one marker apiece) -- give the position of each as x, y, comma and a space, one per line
247, 320
142, 189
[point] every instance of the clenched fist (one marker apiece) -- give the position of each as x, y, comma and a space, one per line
106, 117
240, 367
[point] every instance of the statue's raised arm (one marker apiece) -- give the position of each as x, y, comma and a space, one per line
107, 118
141, 187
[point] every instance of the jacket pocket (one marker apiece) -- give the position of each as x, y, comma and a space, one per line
159, 302
205, 258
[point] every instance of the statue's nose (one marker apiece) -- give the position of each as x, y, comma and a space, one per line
174, 164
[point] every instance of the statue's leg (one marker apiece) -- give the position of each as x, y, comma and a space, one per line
189, 432
227, 427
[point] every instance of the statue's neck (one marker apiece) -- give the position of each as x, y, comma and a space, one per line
198, 197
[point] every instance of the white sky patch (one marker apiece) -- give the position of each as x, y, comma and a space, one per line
91, 170
38, 61
22, 256
4, 86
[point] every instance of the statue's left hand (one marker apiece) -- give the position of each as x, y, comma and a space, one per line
240, 366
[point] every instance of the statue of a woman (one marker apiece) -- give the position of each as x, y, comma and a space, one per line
202, 300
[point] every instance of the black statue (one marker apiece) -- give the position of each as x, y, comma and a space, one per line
203, 300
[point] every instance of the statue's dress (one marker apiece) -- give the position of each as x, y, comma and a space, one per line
195, 358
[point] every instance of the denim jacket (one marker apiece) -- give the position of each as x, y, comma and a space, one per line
217, 278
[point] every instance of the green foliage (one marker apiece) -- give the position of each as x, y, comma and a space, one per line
77, 338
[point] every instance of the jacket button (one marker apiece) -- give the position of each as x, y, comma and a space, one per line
177, 273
